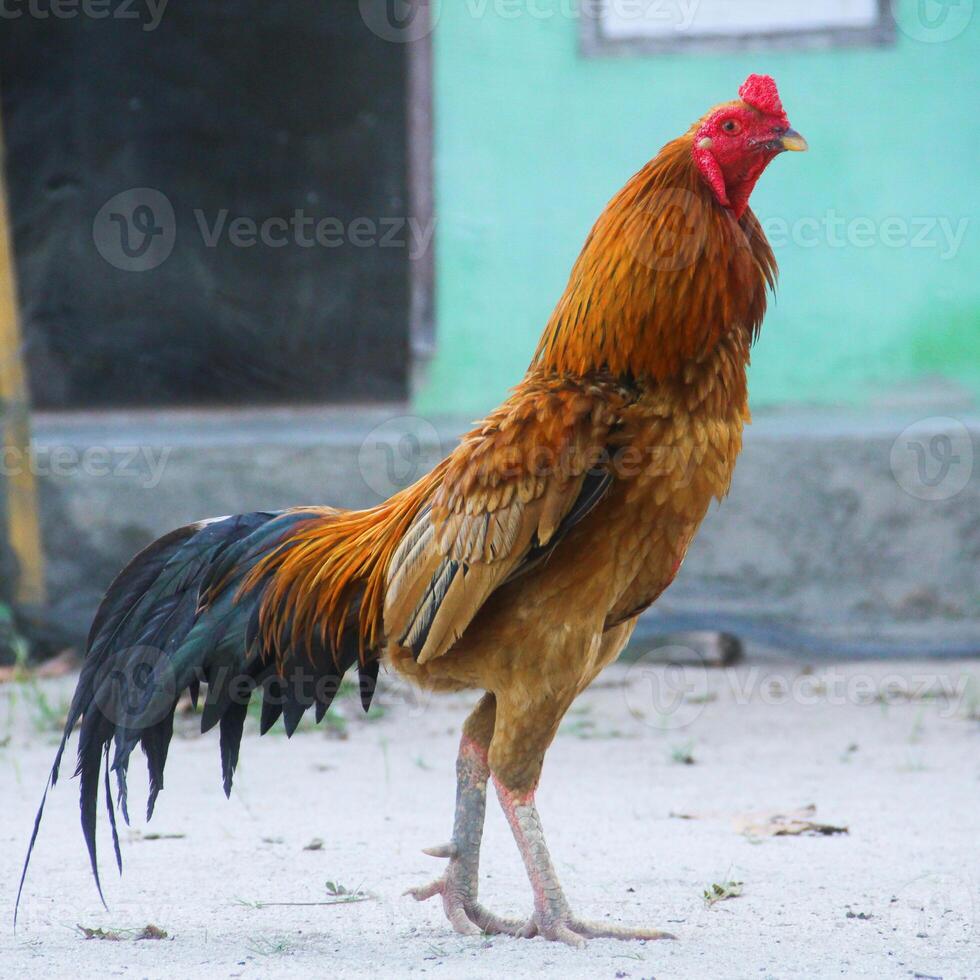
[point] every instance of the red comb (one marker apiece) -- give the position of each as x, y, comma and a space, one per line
759, 91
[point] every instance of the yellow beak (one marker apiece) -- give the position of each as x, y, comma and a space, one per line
793, 141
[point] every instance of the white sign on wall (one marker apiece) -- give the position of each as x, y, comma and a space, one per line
659, 25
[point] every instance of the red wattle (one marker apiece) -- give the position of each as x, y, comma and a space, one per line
711, 172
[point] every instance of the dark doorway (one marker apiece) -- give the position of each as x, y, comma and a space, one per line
276, 131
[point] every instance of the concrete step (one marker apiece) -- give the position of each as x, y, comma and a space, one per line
845, 534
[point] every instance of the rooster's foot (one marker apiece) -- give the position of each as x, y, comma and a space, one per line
458, 888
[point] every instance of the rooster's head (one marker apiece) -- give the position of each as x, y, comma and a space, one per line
734, 142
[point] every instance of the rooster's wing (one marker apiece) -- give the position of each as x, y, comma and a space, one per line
512, 489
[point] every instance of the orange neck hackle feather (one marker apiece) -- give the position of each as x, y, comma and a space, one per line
665, 273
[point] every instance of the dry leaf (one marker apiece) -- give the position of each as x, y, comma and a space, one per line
791, 823
118, 935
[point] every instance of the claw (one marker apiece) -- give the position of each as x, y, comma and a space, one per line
449, 850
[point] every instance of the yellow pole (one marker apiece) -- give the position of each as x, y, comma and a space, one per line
23, 525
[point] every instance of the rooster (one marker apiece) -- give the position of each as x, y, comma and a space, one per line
517, 567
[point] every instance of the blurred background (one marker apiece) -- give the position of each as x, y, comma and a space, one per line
260, 254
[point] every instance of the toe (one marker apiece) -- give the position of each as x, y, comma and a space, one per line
422, 892
496, 925
599, 930
460, 922
561, 933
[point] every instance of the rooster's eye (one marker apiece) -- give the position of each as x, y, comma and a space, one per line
730, 126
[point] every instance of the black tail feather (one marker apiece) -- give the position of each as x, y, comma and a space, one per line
96, 732
112, 813
232, 726
272, 698
172, 619
156, 744
368, 680
33, 840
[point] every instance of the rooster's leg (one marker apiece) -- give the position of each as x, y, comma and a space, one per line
552, 918
458, 886
522, 734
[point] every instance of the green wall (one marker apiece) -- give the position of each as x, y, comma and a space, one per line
532, 139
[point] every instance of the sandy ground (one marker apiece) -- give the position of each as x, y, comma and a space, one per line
890, 751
